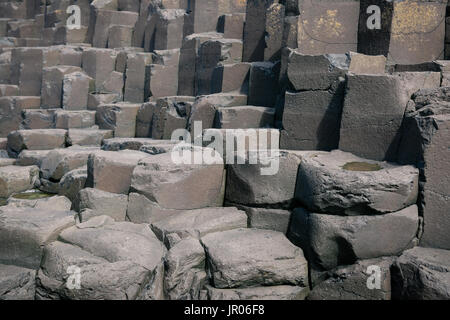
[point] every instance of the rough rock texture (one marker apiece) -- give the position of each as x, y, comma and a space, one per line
271, 180
185, 272
196, 185
423, 144
14, 179
24, 231
200, 222
197, 143
252, 257
17, 283
112, 171
329, 241
259, 293
104, 251
354, 283
103, 203
341, 183
422, 274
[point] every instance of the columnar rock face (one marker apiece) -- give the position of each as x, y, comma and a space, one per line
224, 149
327, 27
410, 32
422, 274
341, 183
313, 101
424, 141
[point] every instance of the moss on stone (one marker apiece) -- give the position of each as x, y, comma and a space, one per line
362, 166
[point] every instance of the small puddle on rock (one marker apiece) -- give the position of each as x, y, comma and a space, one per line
35, 195
361, 166
3, 202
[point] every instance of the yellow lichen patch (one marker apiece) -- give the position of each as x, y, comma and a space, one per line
415, 17
328, 24
361, 166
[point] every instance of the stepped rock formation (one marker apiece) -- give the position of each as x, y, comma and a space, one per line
314, 161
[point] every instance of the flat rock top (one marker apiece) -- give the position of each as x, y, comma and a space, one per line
117, 241
436, 259
123, 156
204, 221
36, 220
347, 162
252, 245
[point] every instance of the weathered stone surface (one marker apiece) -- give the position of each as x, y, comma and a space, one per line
52, 86
117, 261
102, 19
75, 90
200, 222
74, 119
231, 78
8, 90
241, 141
17, 283
370, 116
270, 181
274, 28
96, 99
144, 119
72, 182
138, 144
99, 64
330, 241
263, 84
11, 112
365, 64
189, 53
196, 185
259, 293
88, 137
211, 53
136, 76
311, 119
112, 171
232, 26
26, 70
254, 30
252, 257
351, 282
24, 231
142, 210
55, 203
328, 27
116, 241
6, 161
60, 161
38, 119
38, 139
424, 140
269, 219
15, 179
185, 272
31, 157
422, 274
163, 76
411, 32
103, 203
244, 117
119, 117
341, 183
314, 72
205, 107
171, 114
